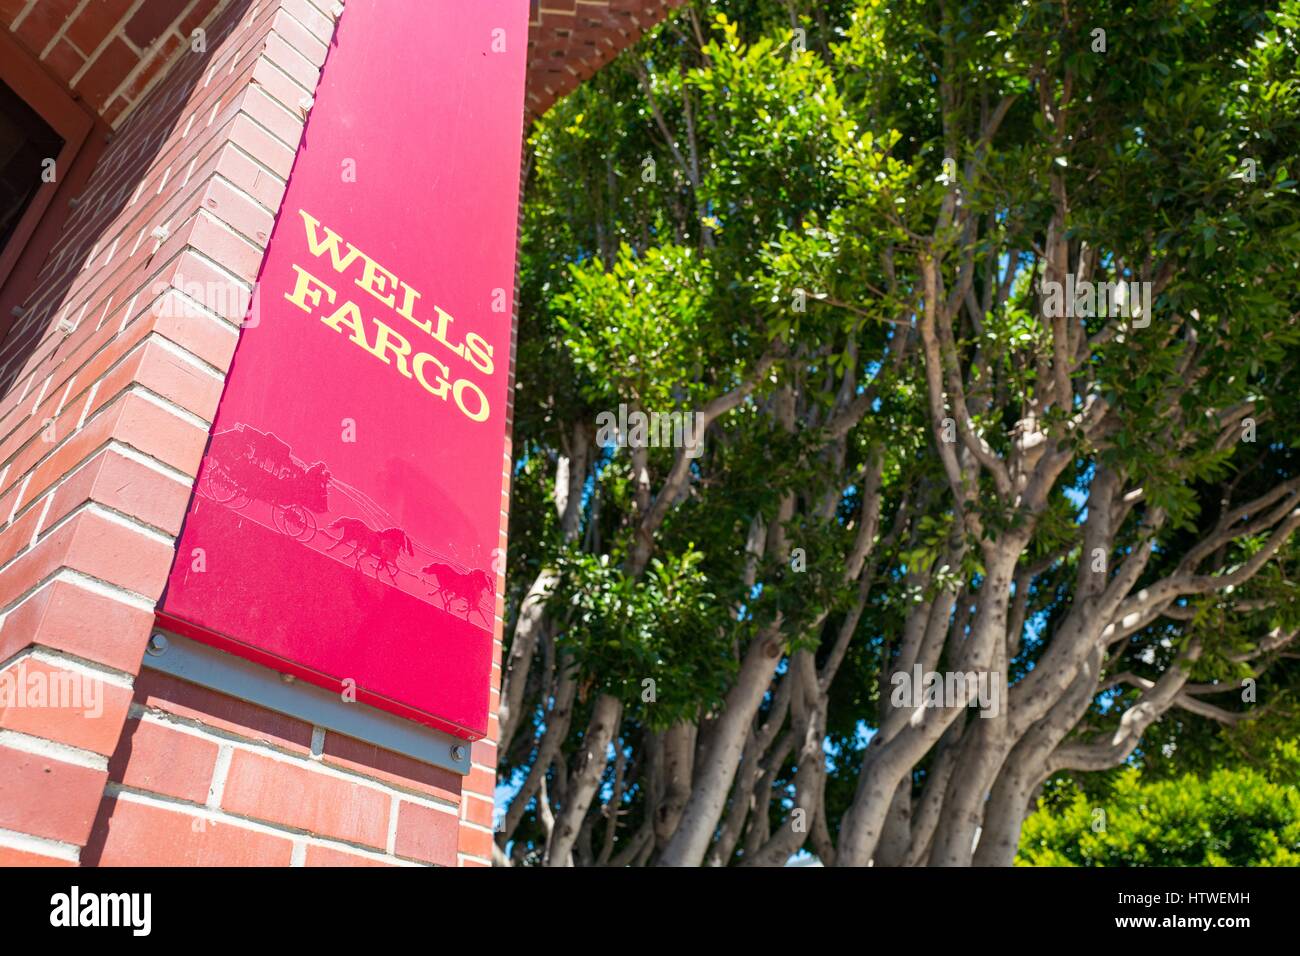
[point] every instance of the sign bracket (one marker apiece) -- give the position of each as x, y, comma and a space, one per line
181, 657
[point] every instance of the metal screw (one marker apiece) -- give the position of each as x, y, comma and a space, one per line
157, 644
457, 752
287, 678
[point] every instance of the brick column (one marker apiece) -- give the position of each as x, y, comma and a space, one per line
111, 378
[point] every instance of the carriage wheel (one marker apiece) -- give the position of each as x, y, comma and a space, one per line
218, 485
295, 521
310, 521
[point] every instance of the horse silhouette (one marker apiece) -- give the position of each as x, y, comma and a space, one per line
468, 586
384, 546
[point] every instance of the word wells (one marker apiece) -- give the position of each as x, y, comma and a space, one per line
382, 340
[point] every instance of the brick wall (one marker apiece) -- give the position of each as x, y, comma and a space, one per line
109, 379
201, 779
110, 53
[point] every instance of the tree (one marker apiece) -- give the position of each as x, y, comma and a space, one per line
987, 335
1233, 817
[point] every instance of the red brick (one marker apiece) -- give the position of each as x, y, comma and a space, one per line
64, 407
197, 16
70, 618
11, 857
10, 9
263, 147
250, 177
129, 418
238, 212
425, 834
327, 856
160, 759
480, 781
118, 554
221, 245
128, 833
65, 61
161, 434
303, 71
287, 125
179, 380
18, 535
114, 110
47, 797
57, 719
150, 22
96, 22
19, 628
477, 811
159, 59
357, 756
321, 26
45, 20
280, 792
200, 335
106, 74
476, 843
124, 485
300, 38
157, 690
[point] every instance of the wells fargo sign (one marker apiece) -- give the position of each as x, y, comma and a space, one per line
345, 523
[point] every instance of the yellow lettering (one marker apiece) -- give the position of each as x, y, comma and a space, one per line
302, 290
390, 346
375, 279
440, 333
480, 353
464, 385
439, 388
348, 314
409, 296
330, 243
388, 339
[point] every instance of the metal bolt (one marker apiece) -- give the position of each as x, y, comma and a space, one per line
157, 644
287, 678
457, 752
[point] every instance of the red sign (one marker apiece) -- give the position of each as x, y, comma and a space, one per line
345, 522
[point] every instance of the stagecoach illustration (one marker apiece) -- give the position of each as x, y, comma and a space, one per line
244, 464
456, 586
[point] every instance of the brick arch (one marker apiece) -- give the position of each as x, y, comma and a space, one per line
569, 40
